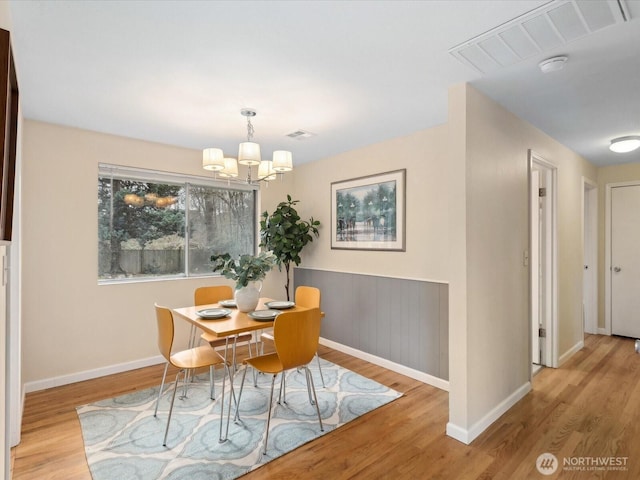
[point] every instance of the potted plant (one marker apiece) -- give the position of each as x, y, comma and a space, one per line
247, 271
285, 234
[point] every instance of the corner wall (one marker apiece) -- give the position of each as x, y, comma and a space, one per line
497, 286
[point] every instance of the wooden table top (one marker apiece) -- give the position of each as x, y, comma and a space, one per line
237, 322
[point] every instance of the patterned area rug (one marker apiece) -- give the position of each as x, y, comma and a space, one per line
123, 440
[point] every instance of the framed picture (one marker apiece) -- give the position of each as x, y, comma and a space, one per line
368, 213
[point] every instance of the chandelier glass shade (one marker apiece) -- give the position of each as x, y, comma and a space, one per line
266, 171
249, 154
213, 159
282, 161
230, 169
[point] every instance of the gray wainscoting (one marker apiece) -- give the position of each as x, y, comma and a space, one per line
404, 321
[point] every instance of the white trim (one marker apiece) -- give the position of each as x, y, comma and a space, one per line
607, 251
590, 254
382, 362
458, 433
90, 374
551, 355
158, 359
566, 355
333, 270
603, 331
468, 436
160, 176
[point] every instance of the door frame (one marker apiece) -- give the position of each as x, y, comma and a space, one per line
608, 252
536, 161
590, 254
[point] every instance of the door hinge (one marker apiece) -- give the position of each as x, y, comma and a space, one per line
542, 192
542, 332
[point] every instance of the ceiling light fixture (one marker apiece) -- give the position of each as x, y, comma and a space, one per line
625, 144
553, 64
213, 159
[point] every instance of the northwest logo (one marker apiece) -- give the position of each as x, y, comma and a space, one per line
547, 463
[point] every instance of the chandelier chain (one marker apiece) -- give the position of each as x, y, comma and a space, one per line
249, 130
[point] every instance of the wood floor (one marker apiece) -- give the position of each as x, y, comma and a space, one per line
588, 408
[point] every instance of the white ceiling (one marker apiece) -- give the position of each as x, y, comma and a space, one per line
351, 72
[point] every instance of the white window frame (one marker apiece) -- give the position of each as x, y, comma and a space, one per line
156, 176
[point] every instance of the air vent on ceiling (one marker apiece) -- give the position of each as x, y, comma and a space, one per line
552, 25
300, 134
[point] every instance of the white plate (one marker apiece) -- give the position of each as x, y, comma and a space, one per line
280, 304
264, 315
231, 303
213, 312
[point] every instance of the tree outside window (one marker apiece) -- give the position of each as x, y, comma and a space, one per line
150, 229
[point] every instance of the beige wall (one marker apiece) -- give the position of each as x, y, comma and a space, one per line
497, 235
629, 172
5, 15
426, 195
70, 323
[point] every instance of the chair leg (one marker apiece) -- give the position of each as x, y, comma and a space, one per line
232, 396
320, 370
173, 397
281, 389
233, 355
236, 417
282, 397
164, 375
266, 437
212, 392
315, 398
309, 389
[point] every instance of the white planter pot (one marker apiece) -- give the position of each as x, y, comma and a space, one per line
247, 298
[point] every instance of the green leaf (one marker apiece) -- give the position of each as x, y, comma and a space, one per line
284, 233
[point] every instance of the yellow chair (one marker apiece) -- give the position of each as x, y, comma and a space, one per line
296, 335
305, 296
185, 360
214, 294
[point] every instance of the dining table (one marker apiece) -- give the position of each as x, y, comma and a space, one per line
228, 326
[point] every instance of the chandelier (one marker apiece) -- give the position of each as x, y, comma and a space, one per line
213, 159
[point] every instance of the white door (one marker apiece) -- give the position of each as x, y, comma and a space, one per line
534, 203
625, 261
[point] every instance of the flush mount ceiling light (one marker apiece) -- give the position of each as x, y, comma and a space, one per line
553, 64
625, 144
213, 159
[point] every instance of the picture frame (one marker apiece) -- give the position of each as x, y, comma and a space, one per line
368, 213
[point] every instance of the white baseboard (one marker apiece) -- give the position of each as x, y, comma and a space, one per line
382, 362
468, 436
89, 374
145, 362
566, 355
458, 433
603, 331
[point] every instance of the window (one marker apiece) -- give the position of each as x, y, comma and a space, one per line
154, 225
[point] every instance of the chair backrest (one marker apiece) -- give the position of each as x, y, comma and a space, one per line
308, 296
165, 331
296, 336
212, 294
